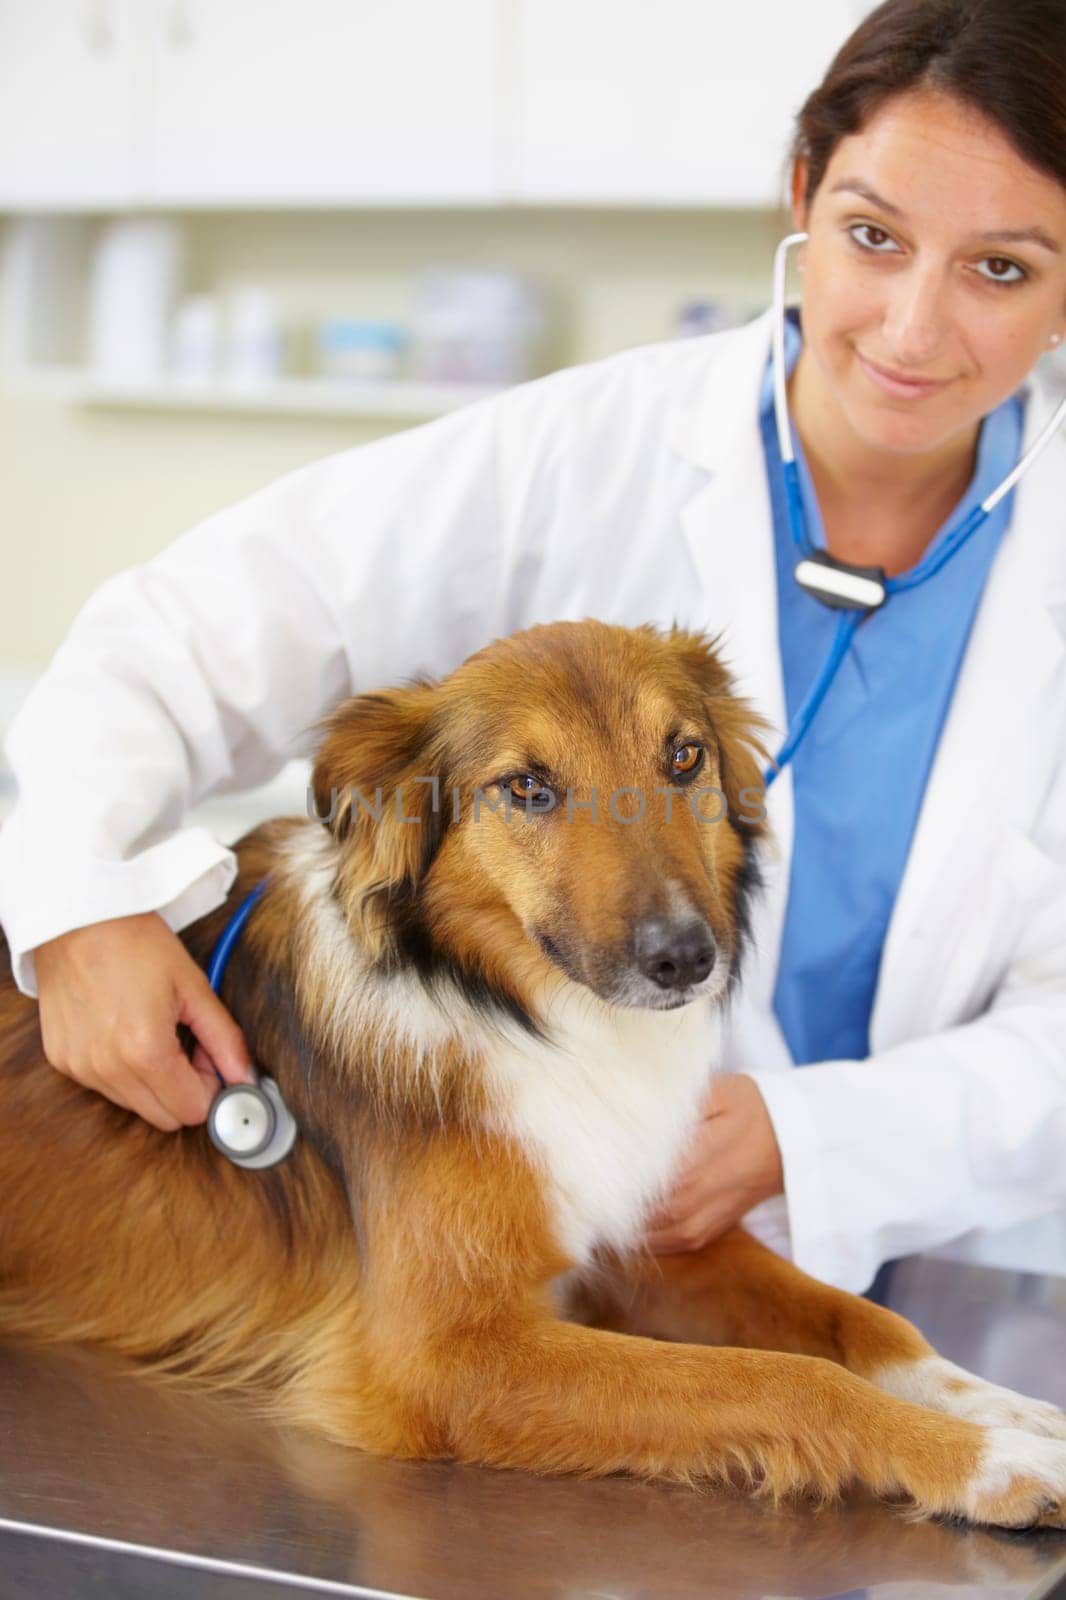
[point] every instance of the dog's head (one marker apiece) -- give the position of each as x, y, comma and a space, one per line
579, 799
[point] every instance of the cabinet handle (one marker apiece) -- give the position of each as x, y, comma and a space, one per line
178, 27
99, 27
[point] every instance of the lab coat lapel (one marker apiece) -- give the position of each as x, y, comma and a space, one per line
1015, 647
728, 529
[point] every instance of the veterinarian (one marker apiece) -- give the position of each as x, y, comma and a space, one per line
896, 1061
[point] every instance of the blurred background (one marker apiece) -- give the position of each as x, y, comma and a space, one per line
238, 235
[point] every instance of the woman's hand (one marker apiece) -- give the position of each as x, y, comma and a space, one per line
111, 996
732, 1163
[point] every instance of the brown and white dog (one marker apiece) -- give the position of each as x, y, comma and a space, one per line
495, 1029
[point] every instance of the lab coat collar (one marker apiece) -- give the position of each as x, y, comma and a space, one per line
1016, 645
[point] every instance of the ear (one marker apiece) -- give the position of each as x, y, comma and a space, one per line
798, 193
743, 756
376, 784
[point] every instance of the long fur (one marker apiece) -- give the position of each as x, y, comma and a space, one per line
492, 1093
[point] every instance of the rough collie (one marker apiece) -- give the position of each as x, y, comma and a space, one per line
488, 974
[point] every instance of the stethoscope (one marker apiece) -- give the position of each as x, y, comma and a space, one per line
249, 1122
854, 590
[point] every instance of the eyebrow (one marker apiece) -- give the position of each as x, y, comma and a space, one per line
996, 236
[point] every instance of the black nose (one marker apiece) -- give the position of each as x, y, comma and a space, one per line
674, 954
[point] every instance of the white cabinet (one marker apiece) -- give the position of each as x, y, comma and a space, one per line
67, 103
684, 102
323, 102
111, 103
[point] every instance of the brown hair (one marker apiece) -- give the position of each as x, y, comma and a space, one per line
1004, 58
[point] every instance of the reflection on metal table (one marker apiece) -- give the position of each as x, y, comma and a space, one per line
112, 1486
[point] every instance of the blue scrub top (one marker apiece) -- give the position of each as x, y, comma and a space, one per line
861, 770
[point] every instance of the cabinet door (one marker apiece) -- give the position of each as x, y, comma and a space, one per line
684, 102
311, 102
66, 104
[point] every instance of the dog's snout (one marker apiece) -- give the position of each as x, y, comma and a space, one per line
672, 953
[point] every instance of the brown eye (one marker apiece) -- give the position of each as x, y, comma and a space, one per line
874, 238
531, 792
1000, 277
688, 758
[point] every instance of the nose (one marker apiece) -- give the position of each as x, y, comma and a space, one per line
674, 953
916, 318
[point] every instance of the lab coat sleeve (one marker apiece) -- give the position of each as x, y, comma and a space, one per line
202, 670
961, 1129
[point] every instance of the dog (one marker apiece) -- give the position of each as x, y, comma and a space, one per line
488, 973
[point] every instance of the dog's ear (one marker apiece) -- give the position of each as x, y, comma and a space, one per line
376, 784
743, 756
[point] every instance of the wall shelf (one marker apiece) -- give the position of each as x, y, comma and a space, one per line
318, 397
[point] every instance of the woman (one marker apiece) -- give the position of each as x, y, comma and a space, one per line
926, 1006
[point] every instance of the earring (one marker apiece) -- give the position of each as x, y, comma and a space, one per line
1056, 338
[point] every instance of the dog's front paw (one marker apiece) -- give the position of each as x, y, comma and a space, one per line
1020, 1482
943, 1386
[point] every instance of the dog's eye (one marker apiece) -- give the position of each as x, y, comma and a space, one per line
687, 760
531, 792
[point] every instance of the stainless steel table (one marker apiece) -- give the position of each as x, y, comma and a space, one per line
112, 1487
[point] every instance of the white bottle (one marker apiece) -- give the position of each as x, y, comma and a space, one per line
252, 342
134, 282
194, 340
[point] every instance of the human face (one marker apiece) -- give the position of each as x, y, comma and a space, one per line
900, 278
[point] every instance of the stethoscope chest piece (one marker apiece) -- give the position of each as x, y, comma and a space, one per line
251, 1124
840, 584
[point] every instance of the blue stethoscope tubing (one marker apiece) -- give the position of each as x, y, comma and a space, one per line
230, 934
850, 619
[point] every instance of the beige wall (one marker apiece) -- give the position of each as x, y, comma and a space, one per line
86, 491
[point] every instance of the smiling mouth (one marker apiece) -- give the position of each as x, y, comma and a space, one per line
893, 383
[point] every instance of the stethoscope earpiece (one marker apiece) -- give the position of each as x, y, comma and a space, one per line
251, 1124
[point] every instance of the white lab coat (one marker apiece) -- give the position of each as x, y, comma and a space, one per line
633, 489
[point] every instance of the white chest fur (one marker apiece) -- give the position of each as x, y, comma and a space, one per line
606, 1109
